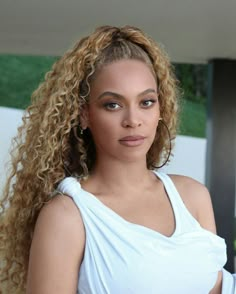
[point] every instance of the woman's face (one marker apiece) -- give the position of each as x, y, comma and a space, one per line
123, 111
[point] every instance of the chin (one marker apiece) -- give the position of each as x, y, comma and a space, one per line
133, 157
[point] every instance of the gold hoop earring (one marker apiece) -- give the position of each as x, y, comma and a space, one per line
170, 149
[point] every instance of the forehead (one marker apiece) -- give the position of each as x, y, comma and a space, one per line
125, 74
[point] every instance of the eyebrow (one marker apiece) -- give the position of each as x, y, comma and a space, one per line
118, 96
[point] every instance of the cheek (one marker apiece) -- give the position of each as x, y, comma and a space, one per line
97, 119
153, 123
101, 126
153, 115
153, 120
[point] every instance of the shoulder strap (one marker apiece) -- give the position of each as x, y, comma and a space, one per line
170, 189
182, 214
93, 212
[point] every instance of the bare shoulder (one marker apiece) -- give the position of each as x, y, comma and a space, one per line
62, 216
197, 199
57, 248
62, 207
189, 185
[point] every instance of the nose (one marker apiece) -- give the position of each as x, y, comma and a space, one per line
131, 119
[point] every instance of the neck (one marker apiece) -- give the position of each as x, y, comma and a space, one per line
117, 174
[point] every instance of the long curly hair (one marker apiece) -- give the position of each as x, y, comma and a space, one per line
49, 145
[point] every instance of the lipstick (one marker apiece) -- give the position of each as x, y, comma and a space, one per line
132, 141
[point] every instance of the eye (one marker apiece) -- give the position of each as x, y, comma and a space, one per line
111, 106
148, 103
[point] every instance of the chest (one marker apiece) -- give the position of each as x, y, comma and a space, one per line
151, 209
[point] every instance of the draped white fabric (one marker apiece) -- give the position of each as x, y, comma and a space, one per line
123, 257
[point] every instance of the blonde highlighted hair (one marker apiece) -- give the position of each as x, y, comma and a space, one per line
49, 145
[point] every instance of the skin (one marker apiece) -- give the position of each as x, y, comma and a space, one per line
123, 102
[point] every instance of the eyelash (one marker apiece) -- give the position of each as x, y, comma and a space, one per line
153, 101
108, 105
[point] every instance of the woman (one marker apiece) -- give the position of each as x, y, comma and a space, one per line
97, 129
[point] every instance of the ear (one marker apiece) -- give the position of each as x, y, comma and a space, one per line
84, 117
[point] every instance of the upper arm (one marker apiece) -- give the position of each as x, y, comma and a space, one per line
57, 249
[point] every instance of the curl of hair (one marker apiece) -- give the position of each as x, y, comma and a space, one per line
49, 146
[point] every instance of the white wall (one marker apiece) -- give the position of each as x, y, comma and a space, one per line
10, 119
189, 152
189, 158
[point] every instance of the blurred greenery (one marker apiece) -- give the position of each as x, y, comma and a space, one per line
20, 75
193, 79
193, 119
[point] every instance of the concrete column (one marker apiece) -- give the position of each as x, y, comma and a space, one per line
221, 149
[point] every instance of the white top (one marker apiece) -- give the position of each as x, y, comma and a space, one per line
123, 257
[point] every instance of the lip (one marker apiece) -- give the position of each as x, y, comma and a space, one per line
132, 141
132, 138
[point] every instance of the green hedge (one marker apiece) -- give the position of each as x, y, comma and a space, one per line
20, 76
